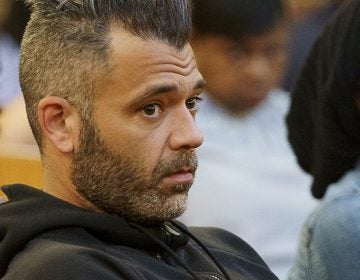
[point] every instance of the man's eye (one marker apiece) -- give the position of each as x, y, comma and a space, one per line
151, 110
193, 103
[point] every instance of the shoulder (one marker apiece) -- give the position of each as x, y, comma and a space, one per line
274, 108
331, 233
334, 225
234, 253
279, 99
45, 258
222, 240
338, 217
339, 211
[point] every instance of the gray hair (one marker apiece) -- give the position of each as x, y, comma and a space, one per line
66, 45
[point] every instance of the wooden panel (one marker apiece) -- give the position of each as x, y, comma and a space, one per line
20, 164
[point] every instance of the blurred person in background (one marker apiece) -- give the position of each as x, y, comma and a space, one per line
307, 28
248, 180
14, 126
324, 131
13, 18
301, 9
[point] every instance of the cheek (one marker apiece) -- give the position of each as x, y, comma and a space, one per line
277, 73
215, 67
279, 64
226, 78
137, 140
147, 147
236, 78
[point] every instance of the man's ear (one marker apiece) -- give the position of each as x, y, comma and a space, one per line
59, 122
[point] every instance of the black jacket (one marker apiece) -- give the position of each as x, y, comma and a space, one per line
42, 237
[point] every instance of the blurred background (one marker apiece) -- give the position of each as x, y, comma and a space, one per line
19, 155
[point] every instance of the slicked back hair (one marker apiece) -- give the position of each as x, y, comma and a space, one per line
65, 49
235, 19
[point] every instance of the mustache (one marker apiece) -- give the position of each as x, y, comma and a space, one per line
183, 161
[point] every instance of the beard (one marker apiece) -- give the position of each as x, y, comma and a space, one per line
124, 186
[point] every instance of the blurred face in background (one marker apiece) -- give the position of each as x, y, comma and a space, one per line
239, 74
4, 10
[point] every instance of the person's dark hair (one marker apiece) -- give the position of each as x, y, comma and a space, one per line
66, 45
235, 19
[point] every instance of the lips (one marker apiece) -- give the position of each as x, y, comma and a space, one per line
180, 170
183, 176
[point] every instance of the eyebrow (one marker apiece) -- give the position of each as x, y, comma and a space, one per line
160, 89
164, 88
200, 85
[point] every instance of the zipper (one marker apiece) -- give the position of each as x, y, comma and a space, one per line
158, 256
209, 276
171, 231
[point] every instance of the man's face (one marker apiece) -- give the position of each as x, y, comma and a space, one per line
137, 159
239, 75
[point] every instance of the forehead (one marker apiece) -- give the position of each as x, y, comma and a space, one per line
145, 60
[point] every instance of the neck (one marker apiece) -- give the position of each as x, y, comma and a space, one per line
58, 183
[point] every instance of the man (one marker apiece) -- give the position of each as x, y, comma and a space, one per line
111, 90
248, 180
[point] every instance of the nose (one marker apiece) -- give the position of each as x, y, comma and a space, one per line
185, 133
258, 68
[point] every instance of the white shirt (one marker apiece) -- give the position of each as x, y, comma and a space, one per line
248, 181
9, 67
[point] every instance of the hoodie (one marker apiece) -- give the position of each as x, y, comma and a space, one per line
42, 237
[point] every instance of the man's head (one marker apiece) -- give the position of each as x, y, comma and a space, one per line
241, 48
111, 90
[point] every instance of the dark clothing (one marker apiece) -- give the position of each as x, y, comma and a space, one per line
43, 237
323, 121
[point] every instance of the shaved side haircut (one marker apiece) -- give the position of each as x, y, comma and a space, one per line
66, 45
